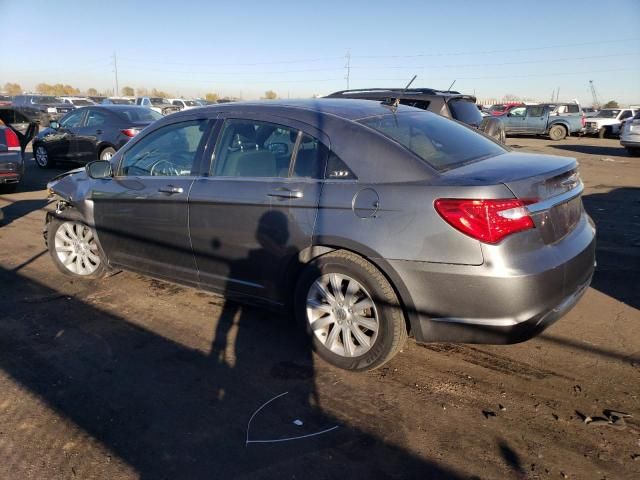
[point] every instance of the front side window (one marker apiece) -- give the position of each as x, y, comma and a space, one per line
441, 143
517, 112
168, 151
73, 120
573, 108
625, 114
248, 148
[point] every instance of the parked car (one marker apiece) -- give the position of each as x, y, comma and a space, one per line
78, 101
90, 133
366, 218
97, 99
501, 108
185, 104
608, 121
16, 131
118, 101
543, 119
41, 108
589, 111
158, 104
630, 135
5, 100
449, 104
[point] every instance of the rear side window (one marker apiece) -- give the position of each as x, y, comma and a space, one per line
535, 111
465, 111
422, 104
441, 143
573, 109
249, 148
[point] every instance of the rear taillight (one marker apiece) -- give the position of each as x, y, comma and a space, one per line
486, 220
130, 132
583, 120
13, 143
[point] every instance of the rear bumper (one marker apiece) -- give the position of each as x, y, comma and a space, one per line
498, 304
11, 167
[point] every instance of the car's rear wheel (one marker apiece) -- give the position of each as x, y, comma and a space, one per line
557, 132
74, 249
350, 311
107, 153
41, 155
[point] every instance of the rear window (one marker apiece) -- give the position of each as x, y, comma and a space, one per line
139, 114
441, 143
465, 111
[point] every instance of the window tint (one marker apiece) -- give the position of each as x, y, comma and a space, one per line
573, 108
169, 151
535, 111
139, 114
422, 104
250, 148
625, 114
441, 143
311, 158
337, 169
465, 111
518, 112
96, 118
73, 120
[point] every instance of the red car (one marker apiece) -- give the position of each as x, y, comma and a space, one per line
502, 108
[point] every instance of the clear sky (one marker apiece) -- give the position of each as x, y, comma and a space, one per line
298, 48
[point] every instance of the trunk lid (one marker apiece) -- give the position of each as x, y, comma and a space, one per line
551, 183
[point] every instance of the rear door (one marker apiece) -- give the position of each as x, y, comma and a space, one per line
91, 133
62, 143
255, 212
142, 213
536, 119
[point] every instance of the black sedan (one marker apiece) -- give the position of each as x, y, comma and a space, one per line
90, 133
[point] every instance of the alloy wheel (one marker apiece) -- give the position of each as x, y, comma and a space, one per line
76, 248
342, 315
42, 156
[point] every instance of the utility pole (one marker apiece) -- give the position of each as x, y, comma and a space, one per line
115, 70
553, 93
558, 95
348, 67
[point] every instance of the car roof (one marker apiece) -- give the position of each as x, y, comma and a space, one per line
348, 109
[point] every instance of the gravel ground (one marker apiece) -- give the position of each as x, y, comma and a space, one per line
132, 377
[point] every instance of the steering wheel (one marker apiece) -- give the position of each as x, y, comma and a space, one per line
163, 168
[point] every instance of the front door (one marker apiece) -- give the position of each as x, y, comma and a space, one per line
256, 211
515, 120
141, 214
61, 143
90, 134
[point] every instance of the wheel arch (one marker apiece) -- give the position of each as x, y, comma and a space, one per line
325, 246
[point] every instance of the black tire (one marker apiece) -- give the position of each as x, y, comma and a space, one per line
557, 132
42, 157
602, 132
634, 152
52, 229
392, 330
107, 153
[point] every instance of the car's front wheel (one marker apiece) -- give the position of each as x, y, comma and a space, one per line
350, 311
74, 249
41, 155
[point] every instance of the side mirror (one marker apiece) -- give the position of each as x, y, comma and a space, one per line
53, 124
99, 169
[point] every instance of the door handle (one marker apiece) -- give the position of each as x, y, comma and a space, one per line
171, 189
98, 132
285, 193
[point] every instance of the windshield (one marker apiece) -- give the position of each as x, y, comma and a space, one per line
608, 113
441, 143
139, 114
159, 101
46, 99
465, 111
120, 101
191, 103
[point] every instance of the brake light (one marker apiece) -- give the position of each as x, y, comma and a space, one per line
583, 120
486, 220
130, 132
13, 143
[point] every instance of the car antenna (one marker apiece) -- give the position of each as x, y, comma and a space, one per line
452, 83
394, 102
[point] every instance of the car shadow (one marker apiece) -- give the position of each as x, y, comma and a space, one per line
593, 149
18, 208
616, 214
178, 412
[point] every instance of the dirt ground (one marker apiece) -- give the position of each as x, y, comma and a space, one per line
132, 377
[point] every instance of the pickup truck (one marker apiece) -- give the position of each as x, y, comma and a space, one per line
543, 119
160, 105
41, 108
608, 121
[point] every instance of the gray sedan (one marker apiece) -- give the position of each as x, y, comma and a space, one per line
370, 221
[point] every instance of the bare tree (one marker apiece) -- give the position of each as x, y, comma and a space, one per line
270, 95
12, 88
127, 91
